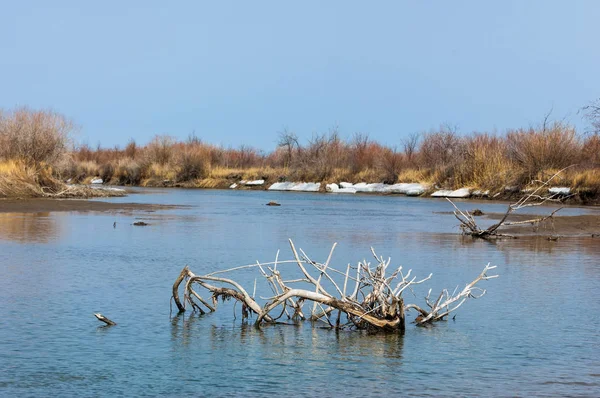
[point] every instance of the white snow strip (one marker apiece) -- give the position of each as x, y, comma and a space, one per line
281, 186
410, 189
442, 193
560, 190
415, 192
459, 193
334, 188
255, 182
295, 186
307, 187
364, 187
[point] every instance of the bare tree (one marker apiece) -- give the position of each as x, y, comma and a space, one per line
362, 297
361, 157
289, 141
592, 113
410, 145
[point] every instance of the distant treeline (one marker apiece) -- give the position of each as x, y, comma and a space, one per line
442, 157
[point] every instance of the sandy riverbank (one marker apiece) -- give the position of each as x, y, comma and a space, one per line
53, 205
580, 225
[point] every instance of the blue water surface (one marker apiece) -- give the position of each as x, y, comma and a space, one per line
535, 333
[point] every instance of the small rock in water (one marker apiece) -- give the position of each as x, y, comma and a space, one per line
140, 224
273, 204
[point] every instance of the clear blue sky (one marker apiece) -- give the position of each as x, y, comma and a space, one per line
239, 72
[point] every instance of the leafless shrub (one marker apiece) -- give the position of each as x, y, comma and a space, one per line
390, 162
318, 160
193, 162
484, 162
591, 150
592, 113
160, 149
440, 149
34, 136
131, 149
410, 145
535, 150
127, 172
288, 141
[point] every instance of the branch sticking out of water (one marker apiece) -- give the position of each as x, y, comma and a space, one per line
534, 198
375, 303
104, 319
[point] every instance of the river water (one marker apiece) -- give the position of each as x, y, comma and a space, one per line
536, 332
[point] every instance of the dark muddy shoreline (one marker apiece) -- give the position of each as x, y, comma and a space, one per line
81, 205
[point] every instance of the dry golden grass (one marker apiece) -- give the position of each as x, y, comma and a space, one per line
341, 175
127, 172
415, 175
162, 172
18, 179
212, 183
368, 175
589, 179
485, 164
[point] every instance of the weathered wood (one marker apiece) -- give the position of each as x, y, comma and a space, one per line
104, 319
380, 306
470, 227
180, 278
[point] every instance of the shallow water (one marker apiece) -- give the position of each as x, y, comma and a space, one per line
535, 333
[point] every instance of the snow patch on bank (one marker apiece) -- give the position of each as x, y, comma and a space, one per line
334, 188
459, 193
296, 186
254, 183
412, 189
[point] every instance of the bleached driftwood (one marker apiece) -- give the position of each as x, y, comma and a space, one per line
104, 319
362, 297
534, 198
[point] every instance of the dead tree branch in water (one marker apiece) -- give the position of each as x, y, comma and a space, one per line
363, 297
534, 198
104, 319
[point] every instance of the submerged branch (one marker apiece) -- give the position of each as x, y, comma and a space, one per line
380, 306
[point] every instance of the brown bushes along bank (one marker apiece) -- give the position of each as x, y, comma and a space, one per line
443, 157
33, 146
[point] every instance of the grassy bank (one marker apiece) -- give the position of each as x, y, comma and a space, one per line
33, 145
441, 158
37, 156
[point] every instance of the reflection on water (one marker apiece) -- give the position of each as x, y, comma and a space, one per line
29, 227
527, 336
538, 244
